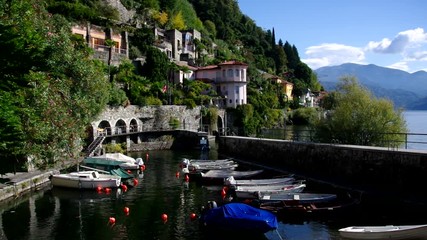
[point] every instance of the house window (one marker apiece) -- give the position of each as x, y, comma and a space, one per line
243, 75
230, 101
230, 73
223, 73
237, 72
237, 90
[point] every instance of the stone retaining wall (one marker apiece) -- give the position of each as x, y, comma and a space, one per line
370, 169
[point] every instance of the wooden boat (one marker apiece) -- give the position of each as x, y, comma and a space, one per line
385, 232
249, 192
85, 180
300, 197
238, 217
233, 183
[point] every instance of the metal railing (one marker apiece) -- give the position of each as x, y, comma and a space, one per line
414, 141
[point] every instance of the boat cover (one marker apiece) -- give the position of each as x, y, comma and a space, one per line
121, 173
240, 217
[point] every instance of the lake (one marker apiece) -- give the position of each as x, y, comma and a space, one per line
53, 213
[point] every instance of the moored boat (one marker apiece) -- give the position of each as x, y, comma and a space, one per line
232, 182
250, 192
85, 180
110, 161
297, 197
385, 232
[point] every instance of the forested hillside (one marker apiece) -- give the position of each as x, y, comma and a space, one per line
51, 88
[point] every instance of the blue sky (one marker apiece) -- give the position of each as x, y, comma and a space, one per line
387, 33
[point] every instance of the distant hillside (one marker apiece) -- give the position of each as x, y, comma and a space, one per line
404, 89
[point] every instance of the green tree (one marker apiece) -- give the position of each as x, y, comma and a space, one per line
360, 118
58, 88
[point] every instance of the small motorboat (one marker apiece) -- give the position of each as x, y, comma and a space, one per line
250, 192
238, 217
233, 183
385, 232
85, 180
296, 197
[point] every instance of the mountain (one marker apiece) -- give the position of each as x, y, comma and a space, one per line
407, 90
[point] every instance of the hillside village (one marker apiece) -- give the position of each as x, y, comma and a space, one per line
229, 79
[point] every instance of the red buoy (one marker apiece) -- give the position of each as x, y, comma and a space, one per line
146, 156
112, 220
223, 193
187, 178
193, 216
107, 190
164, 217
126, 210
142, 168
129, 171
99, 189
124, 187
177, 174
135, 181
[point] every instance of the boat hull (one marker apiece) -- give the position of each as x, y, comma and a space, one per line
74, 181
385, 232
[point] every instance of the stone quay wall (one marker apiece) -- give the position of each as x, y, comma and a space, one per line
395, 172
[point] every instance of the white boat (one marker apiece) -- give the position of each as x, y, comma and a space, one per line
85, 180
111, 161
249, 192
385, 232
221, 174
203, 165
232, 182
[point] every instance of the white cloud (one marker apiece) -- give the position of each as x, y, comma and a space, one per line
416, 56
400, 65
403, 40
328, 54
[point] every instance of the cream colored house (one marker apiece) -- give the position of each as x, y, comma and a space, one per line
229, 79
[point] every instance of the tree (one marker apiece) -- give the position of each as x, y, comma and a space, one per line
57, 86
357, 117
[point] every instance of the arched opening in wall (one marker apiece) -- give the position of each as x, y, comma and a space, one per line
104, 128
220, 125
120, 127
133, 126
89, 136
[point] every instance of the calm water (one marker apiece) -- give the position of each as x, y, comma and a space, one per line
68, 214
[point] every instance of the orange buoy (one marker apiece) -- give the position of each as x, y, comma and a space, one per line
99, 189
124, 187
126, 210
187, 178
107, 190
135, 181
164, 217
142, 168
193, 216
112, 220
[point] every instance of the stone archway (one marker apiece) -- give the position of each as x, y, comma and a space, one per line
104, 128
133, 126
120, 127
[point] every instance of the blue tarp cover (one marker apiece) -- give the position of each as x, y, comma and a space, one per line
240, 217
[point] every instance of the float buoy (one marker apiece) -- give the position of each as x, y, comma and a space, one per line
124, 187
135, 181
112, 220
177, 174
193, 216
126, 210
187, 178
164, 217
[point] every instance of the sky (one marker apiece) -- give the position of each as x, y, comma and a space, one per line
387, 33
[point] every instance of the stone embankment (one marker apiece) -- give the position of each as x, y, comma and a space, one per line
397, 173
